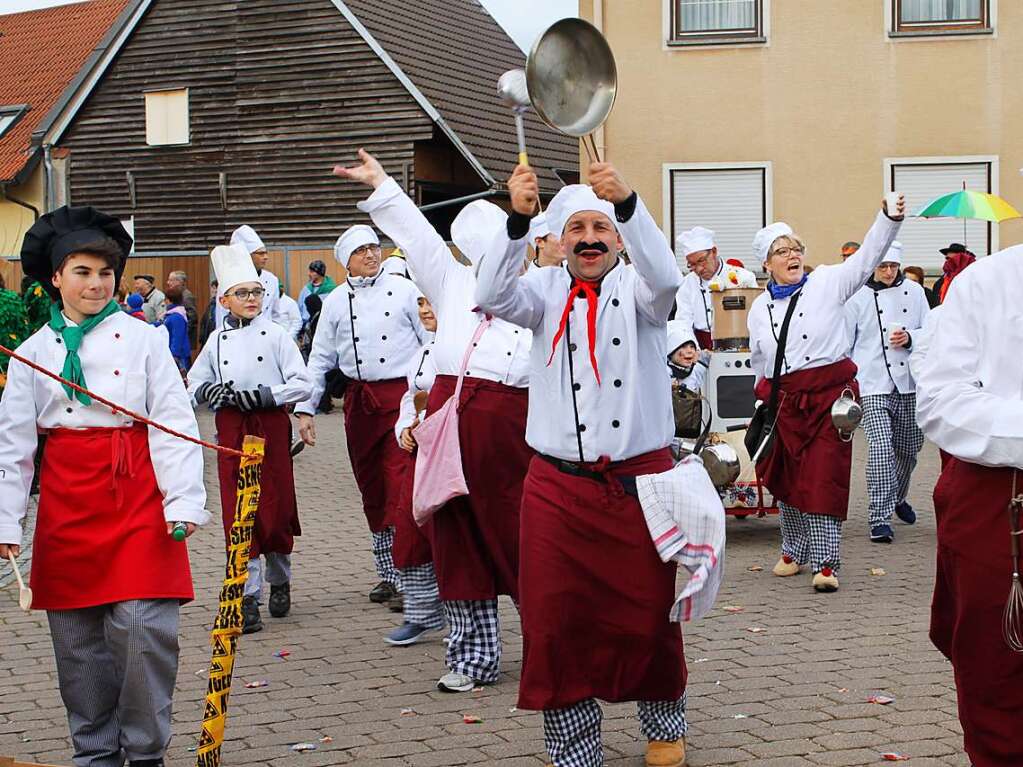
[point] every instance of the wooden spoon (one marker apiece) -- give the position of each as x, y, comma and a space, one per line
24, 592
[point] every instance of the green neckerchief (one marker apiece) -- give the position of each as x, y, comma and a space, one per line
72, 336
323, 288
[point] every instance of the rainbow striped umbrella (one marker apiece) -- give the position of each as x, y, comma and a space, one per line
969, 204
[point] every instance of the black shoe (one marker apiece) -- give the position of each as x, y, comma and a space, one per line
147, 763
905, 512
882, 534
383, 592
280, 600
251, 622
397, 603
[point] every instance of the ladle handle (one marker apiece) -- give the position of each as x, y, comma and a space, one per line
520, 130
17, 572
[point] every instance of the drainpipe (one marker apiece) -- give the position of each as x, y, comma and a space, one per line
48, 190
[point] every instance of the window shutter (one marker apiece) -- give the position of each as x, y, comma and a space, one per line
167, 117
922, 238
729, 201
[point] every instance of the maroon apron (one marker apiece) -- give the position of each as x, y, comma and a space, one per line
595, 596
100, 535
970, 592
378, 462
809, 465
277, 516
475, 538
704, 339
411, 547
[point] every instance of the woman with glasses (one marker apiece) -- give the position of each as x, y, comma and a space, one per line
807, 465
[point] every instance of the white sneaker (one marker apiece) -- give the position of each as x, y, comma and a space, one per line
455, 682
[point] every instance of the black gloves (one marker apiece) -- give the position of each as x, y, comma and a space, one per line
254, 399
215, 395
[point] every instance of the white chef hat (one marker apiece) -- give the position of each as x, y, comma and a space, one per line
573, 199
694, 240
233, 265
246, 235
538, 227
393, 265
475, 227
679, 332
353, 239
764, 239
894, 254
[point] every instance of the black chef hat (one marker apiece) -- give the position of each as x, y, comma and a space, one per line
66, 230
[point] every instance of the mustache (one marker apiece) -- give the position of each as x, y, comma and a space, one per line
582, 245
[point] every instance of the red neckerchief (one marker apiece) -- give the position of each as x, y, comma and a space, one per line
589, 290
954, 265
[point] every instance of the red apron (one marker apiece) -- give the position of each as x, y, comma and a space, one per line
704, 339
101, 536
277, 515
411, 547
378, 463
809, 465
970, 592
595, 596
475, 538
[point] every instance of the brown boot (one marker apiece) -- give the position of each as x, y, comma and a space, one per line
661, 753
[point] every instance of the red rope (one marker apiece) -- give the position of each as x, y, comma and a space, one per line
117, 408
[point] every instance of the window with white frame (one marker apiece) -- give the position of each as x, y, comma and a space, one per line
922, 181
923, 16
732, 200
167, 117
716, 21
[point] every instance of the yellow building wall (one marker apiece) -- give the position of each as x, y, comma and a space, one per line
825, 101
16, 220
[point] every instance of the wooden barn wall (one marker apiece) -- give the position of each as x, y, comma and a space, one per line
279, 91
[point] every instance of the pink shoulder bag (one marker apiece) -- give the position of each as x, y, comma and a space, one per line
438, 474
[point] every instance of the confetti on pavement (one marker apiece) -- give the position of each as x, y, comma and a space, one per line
733, 608
303, 747
326, 739
877, 571
883, 700
282, 654
470, 719
893, 756
755, 569
408, 712
258, 683
756, 629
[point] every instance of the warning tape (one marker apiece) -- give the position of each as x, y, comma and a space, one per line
117, 408
228, 625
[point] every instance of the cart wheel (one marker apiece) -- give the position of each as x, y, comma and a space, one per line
741, 517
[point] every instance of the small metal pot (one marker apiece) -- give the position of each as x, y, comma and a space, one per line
722, 464
846, 414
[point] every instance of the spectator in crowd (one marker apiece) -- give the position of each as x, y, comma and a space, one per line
849, 248
319, 285
134, 306
178, 279
916, 274
209, 317
957, 258
152, 297
175, 319
290, 318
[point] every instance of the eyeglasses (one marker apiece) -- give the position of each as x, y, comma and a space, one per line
889, 267
364, 250
692, 263
786, 251
244, 293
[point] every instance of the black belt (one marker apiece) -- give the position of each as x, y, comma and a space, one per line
628, 482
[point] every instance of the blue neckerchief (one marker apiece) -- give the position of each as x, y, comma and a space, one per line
779, 292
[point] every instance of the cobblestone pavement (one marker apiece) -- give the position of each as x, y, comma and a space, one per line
793, 694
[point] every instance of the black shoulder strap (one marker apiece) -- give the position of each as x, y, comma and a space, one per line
779, 355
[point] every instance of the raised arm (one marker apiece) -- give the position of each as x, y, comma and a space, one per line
953, 408
398, 217
499, 288
853, 273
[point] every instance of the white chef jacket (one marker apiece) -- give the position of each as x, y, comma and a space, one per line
127, 362
503, 351
883, 368
260, 353
421, 376
289, 316
693, 302
271, 298
817, 332
571, 416
970, 383
369, 328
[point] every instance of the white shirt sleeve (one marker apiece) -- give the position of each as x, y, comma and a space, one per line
178, 464
954, 410
659, 277
502, 292
406, 414
18, 442
204, 369
852, 274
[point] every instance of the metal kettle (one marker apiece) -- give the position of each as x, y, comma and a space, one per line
846, 414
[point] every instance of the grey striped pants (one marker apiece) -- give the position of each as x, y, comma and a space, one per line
116, 666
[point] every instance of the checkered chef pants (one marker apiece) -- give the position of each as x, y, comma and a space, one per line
422, 597
572, 735
893, 440
382, 544
812, 538
474, 639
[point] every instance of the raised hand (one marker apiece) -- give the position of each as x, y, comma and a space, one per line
369, 172
607, 183
524, 190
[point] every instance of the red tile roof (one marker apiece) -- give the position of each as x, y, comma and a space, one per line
40, 54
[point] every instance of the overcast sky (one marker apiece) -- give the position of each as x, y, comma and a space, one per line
523, 19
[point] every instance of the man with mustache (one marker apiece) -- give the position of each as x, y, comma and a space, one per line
595, 597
